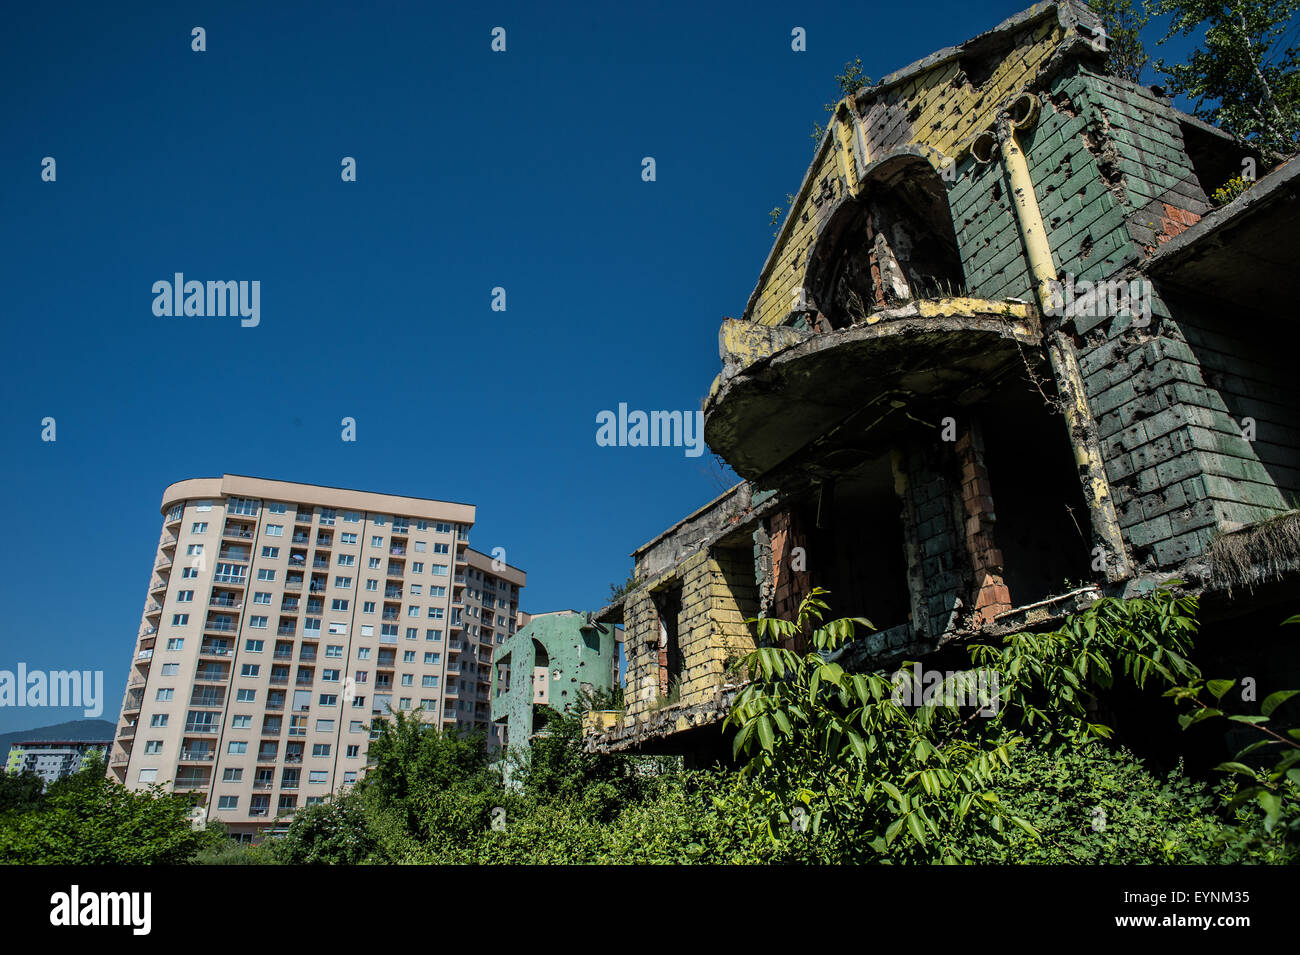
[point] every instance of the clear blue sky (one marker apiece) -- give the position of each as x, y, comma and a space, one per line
475, 170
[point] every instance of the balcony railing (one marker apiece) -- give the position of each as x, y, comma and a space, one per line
205, 729
188, 783
212, 651
238, 579
198, 755
225, 602
285, 631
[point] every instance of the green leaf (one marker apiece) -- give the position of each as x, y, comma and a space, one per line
915, 827
1219, 687
1274, 700
1234, 767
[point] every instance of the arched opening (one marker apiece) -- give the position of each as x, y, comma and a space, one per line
891, 245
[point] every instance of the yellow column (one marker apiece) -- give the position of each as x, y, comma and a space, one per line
1065, 363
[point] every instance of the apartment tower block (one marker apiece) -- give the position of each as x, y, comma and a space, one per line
282, 618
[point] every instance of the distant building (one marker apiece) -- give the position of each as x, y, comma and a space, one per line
549, 662
281, 618
53, 759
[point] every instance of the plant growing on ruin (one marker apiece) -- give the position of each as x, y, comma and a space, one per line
1275, 788
917, 780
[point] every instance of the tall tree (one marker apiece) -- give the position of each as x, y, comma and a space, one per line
1123, 21
1245, 78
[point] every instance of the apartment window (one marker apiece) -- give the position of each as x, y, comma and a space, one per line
406, 679
435, 613
430, 705
334, 650
194, 550
388, 630
274, 530
327, 515
377, 541
346, 538
412, 633
189, 572
171, 669
175, 512
266, 574
379, 520
437, 590
372, 584
350, 777
435, 635
237, 748
413, 611
408, 656
148, 776
343, 583
250, 669
257, 623
241, 722
329, 676
180, 619
432, 658
368, 607
164, 694
318, 776
311, 626
367, 629
158, 719
261, 597
429, 681
232, 775
358, 702
241, 505
347, 560
420, 547
363, 653
320, 749
438, 570
417, 567
246, 696
441, 528
440, 549
254, 646
329, 699
352, 517
353, 751
184, 596
339, 604
374, 562
325, 726
404, 703
271, 552
362, 676
153, 746
278, 507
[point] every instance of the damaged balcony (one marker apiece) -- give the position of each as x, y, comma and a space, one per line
787, 394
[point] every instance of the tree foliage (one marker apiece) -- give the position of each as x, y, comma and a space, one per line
1244, 76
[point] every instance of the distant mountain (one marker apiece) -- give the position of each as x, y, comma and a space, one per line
73, 729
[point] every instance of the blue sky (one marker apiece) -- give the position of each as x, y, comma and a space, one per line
475, 170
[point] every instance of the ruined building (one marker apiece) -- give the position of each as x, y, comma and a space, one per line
1004, 357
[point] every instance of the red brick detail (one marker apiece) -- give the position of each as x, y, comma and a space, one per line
991, 594
790, 586
1175, 221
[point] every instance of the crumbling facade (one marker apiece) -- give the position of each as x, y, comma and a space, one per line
1003, 357
549, 662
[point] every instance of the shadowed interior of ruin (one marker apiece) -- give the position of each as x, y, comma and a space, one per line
894, 244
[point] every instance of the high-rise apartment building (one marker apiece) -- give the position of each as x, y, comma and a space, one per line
282, 618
